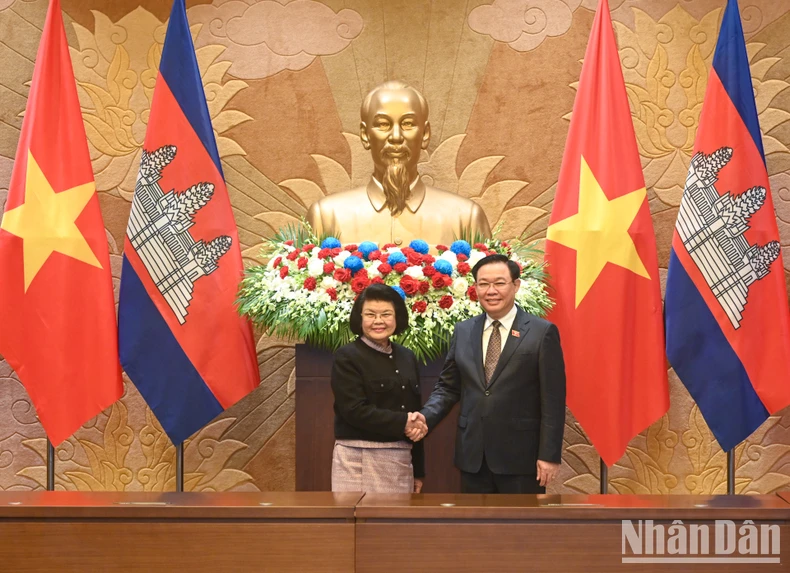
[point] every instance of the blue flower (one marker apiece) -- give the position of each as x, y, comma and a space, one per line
330, 243
420, 246
353, 263
400, 291
395, 258
443, 266
461, 247
367, 247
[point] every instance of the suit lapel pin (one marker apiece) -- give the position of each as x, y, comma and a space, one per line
515, 333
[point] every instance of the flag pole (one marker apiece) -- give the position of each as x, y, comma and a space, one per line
50, 466
180, 467
604, 477
731, 472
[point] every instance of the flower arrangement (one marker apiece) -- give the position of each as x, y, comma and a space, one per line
307, 288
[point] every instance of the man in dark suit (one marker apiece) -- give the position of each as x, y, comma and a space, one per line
507, 370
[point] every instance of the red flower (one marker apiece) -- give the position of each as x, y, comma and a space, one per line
292, 255
277, 262
419, 306
342, 275
414, 258
359, 284
377, 281
442, 248
400, 267
407, 251
308, 247
329, 268
446, 301
438, 280
410, 285
301, 262
461, 257
428, 259
389, 246
374, 255
471, 292
290, 243
309, 283
324, 253
424, 287
428, 270
358, 254
283, 271
336, 251
351, 248
384, 258
464, 268
332, 293
505, 244
361, 273
480, 246
385, 269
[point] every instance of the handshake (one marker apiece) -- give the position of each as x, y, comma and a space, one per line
416, 426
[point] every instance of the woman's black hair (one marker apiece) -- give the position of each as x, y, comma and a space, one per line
383, 293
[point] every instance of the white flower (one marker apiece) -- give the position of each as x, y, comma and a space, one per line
414, 272
450, 257
373, 269
315, 267
474, 257
460, 286
329, 282
341, 257
315, 251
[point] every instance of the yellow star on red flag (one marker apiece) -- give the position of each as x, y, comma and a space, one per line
599, 232
46, 221
57, 310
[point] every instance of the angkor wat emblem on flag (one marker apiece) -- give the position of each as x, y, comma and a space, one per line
712, 226
159, 231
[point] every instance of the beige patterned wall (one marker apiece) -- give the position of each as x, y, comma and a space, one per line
284, 82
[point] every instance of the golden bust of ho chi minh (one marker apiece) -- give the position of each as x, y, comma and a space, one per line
396, 206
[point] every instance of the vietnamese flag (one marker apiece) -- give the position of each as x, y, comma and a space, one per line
601, 255
57, 312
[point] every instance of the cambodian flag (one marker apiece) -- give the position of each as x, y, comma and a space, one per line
727, 321
181, 340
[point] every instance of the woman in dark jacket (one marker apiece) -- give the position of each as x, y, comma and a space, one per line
376, 384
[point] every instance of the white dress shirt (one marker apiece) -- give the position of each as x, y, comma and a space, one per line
505, 326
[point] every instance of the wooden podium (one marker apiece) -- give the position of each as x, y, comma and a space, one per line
104, 532
469, 533
315, 430
322, 532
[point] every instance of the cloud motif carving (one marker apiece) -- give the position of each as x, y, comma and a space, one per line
523, 24
264, 38
6, 165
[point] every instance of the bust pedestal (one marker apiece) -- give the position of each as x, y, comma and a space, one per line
315, 431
